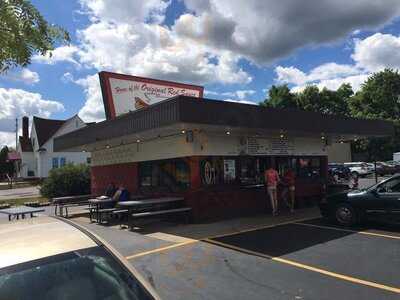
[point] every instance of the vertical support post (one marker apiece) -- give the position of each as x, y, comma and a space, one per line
195, 176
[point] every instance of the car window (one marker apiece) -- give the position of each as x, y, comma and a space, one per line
390, 186
84, 274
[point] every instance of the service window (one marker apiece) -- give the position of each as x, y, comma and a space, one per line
250, 170
309, 167
171, 174
229, 170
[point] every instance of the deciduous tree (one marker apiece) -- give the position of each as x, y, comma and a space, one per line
24, 32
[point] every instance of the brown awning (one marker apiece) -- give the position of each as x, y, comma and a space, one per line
188, 110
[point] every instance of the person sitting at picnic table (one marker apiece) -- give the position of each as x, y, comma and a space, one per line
110, 190
124, 194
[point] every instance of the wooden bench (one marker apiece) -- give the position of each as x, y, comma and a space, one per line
145, 214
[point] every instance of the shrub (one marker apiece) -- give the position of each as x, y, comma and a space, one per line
69, 180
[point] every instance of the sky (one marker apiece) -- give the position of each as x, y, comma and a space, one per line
236, 49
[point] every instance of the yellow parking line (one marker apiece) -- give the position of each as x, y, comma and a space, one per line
212, 237
311, 268
259, 227
161, 249
349, 230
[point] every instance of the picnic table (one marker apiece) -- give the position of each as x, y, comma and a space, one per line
69, 201
95, 204
15, 212
133, 206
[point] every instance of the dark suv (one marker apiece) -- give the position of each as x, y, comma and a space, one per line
339, 170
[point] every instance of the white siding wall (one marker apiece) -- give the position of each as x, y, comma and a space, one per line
203, 145
28, 164
45, 158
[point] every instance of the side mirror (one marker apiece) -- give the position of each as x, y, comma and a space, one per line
380, 190
375, 192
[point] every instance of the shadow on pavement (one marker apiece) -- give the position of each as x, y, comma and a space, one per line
282, 239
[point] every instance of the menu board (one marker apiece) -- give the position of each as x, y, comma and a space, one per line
263, 146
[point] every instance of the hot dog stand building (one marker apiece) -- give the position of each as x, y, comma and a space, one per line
163, 138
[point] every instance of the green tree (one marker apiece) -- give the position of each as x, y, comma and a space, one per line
379, 98
6, 167
24, 32
280, 97
326, 101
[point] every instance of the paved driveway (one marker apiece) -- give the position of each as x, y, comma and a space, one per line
289, 261
289, 257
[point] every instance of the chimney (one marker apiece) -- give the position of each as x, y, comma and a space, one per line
25, 128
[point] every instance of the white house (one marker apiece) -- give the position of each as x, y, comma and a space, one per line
36, 150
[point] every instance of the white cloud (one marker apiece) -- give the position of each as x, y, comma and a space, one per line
7, 139
332, 70
240, 94
241, 101
211, 93
22, 75
333, 84
266, 30
154, 51
93, 110
372, 54
126, 11
60, 54
67, 77
16, 103
290, 75
377, 52
329, 75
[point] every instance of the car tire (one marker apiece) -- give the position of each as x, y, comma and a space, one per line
345, 215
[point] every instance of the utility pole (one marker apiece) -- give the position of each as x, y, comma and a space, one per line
16, 133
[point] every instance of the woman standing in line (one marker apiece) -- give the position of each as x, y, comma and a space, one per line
271, 181
289, 179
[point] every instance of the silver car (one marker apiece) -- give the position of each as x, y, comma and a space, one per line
48, 258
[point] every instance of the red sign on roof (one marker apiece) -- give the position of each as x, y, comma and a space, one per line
125, 93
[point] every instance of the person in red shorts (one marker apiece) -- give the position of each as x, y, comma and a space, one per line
271, 181
290, 180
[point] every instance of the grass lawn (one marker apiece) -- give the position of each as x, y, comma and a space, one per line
21, 201
17, 185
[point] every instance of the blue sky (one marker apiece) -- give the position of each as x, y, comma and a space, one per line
236, 49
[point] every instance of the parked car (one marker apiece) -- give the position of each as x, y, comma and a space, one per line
339, 170
360, 169
395, 165
382, 168
47, 258
380, 201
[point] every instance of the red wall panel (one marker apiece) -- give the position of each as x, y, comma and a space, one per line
125, 174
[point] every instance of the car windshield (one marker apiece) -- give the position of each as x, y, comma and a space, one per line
373, 187
84, 274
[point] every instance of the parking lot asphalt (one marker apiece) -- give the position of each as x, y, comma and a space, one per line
290, 261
